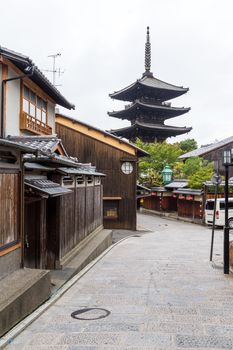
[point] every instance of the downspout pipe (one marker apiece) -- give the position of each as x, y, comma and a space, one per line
29, 72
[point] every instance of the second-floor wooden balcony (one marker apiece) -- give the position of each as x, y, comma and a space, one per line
36, 126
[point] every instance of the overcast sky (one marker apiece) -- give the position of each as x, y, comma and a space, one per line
102, 45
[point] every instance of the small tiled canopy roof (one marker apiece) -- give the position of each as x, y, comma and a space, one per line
179, 183
22, 62
79, 171
21, 147
47, 187
191, 191
42, 143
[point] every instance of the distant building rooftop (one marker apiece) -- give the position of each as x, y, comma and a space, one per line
199, 152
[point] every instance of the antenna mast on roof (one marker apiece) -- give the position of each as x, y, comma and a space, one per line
55, 70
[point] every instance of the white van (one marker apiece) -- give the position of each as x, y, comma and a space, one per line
220, 212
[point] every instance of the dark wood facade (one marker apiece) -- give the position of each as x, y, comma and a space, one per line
187, 203
191, 209
160, 202
11, 206
213, 152
107, 153
61, 223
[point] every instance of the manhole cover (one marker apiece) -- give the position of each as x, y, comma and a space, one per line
92, 313
136, 236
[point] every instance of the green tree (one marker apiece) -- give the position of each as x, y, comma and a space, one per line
204, 173
195, 169
161, 153
192, 165
188, 145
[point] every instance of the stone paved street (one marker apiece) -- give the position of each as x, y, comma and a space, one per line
160, 289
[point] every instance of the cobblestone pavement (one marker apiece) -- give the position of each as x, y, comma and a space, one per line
160, 289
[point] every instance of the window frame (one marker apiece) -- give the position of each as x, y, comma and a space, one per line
28, 99
105, 208
129, 167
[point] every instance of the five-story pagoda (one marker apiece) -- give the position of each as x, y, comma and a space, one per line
148, 109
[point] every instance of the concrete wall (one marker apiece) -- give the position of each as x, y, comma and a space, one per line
10, 262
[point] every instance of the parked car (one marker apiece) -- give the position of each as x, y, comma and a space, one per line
220, 212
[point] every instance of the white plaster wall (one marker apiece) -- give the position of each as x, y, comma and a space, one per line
51, 115
12, 105
12, 123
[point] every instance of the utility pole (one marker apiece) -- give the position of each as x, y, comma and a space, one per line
55, 70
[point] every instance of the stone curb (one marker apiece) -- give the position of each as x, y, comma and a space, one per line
9, 336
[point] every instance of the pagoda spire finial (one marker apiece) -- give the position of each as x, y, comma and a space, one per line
147, 52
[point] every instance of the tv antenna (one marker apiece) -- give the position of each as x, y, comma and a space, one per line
55, 70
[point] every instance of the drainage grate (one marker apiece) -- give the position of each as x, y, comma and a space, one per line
93, 313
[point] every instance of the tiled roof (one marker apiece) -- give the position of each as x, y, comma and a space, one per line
22, 62
177, 184
82, 170
190, 191
52, 158
207, 149
16, 145
165, 111
159, 84
37, 166
158, 189
45, 144
47, 187
166, 91
175, 129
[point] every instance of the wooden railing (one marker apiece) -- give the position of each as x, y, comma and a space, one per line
34, 125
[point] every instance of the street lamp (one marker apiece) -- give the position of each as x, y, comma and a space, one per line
227, 161
167, 174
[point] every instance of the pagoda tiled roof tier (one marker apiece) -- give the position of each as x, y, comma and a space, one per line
150, 87
149, 132
139, 108
148, 110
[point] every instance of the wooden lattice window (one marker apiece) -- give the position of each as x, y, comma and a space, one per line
34, 105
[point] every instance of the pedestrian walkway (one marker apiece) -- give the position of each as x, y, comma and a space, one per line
158, 291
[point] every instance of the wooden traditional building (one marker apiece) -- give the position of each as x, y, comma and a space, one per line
49, 202
190, 204
213, 152
148, 109
112, 156
177, 199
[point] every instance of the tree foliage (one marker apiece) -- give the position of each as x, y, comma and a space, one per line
188, 145
163, 153
204, 173
195, 169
